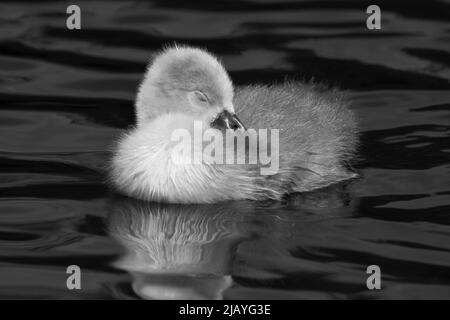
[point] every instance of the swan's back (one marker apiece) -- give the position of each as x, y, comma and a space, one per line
318, 133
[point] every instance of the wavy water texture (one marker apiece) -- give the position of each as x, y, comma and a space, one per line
65, 96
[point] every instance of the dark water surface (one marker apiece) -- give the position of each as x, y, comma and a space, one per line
66, 95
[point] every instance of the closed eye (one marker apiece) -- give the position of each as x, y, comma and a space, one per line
201, 96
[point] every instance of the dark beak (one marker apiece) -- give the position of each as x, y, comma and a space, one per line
226, 120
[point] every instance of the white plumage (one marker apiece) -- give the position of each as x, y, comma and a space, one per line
318, 134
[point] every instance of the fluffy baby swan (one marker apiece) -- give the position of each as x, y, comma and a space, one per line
183, 86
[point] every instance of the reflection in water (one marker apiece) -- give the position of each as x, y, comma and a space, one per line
188, 251
176, 251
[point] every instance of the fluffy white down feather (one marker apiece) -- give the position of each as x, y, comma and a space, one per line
318, 134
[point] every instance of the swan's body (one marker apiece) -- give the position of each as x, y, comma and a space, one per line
317, 134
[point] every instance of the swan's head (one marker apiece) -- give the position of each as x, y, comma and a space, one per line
188, 81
